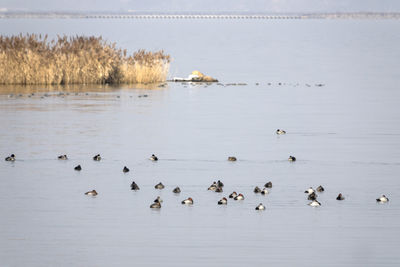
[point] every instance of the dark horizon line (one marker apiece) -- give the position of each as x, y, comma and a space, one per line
19, 12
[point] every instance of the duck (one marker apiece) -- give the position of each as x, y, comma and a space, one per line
176, 190
312, 196
63, 157
220, 184
260, 207
78, 168
232, 159
153, 157
264, 191
340, 197
291, 158
213, 187
97, 157
314, 203
159, 186
188, 201
382, 199
158, 200
268, 185
91, 193
125, 169
280, 131
134, 186
10, 158
320, 189
156, 205
309, 190
239, 197
219, 189
223, 201
233, 195
257, 190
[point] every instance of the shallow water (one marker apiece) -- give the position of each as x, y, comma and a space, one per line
344, 134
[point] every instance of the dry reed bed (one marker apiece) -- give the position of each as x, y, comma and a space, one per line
31, 59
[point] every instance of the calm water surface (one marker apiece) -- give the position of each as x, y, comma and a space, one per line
345, 135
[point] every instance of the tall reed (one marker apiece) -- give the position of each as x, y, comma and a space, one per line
33, 59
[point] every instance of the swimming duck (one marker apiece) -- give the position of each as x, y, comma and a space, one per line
257, 190
232, 159
291, 158
340, 197
10, 158
153, 158
309, 190
176, 190
279, 131
213, 187
156, 205
97, 157
223, 201
382, 199
91, 193
218, 190
260, 207
314, 203
158, 200
78, 168
188, 201
239, 197
233, 195
125, 169
159, 186
220, 184
312, 196
134, 186
264, 191
63, 157
320, 189
268, 185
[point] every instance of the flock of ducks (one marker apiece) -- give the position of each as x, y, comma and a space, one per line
215, 186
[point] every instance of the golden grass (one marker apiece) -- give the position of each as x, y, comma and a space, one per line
32, 59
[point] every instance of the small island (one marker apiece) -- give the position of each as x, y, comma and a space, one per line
32, 60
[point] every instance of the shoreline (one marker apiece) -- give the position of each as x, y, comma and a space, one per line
227, 15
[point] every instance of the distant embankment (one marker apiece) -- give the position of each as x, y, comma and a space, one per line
32, 59
272, 16
252, 16
107, 16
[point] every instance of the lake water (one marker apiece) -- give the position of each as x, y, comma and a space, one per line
344, 134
